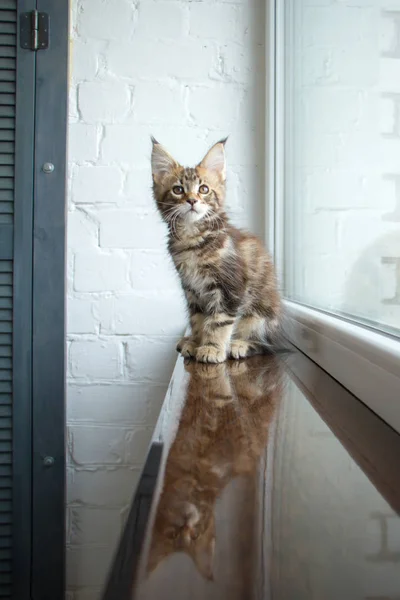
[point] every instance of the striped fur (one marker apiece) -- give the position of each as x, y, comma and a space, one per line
227, 276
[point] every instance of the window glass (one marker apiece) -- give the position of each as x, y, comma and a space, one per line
341, 171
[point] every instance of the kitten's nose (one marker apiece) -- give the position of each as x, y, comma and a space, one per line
191, 201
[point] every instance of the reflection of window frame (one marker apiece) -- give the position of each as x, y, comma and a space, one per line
364, 360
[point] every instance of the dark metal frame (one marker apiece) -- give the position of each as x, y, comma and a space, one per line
39, 307
48, 416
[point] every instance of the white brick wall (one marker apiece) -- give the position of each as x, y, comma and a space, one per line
189, 73
344, 85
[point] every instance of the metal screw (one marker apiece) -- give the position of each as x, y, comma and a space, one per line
48, 167
48, 461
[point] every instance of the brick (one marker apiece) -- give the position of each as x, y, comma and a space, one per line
160, 20
389, 276
241, 219
105, 101
99, 272
387, 114
70, 270
128, 229
131, 145
389, 194
331, 293
330, 66
235, 197
104, 487
137, 445
144, 314
359, 230
243, 183
387, 34
187, 59
88, 568
73, 114
104, 445
237, 63
84, 59
106, 20
158, 102
138, 187
156, 397
337, 27
389, 75
94, 185
241, 150
387, 155
320, 233
217, 21
95, 360
127, 144
338, 189
186, 144
80, 318
388, 4
152, 270
93, 526
82, 142
151, 359
82, 230
116, 403
329, 110
317, 68
212, 108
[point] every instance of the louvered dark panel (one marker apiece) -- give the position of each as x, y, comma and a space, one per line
8, 31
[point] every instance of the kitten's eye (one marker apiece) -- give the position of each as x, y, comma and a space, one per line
204, 189
178, 190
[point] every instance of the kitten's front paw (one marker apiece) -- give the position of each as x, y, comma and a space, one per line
210, 354
187, 347
239, 349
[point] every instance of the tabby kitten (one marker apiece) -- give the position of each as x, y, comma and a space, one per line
227, 276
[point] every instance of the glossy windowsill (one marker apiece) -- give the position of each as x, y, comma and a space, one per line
292, 480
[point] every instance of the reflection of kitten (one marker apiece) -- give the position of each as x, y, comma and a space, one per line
222, 431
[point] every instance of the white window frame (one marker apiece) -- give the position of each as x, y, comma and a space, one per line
364, 360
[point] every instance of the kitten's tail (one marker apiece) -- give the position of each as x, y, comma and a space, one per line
274, 339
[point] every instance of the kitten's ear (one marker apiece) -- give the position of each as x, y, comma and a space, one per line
214, 160
162, 163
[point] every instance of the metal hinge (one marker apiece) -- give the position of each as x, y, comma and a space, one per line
34, 30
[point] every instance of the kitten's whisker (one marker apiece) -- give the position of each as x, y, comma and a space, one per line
174, 222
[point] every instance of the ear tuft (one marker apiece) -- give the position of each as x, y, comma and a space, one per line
214, 160
162, 163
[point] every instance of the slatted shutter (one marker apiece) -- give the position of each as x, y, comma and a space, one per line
8, 30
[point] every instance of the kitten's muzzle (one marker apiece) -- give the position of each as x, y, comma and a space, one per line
191, 201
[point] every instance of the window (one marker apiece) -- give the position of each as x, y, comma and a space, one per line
337, 188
